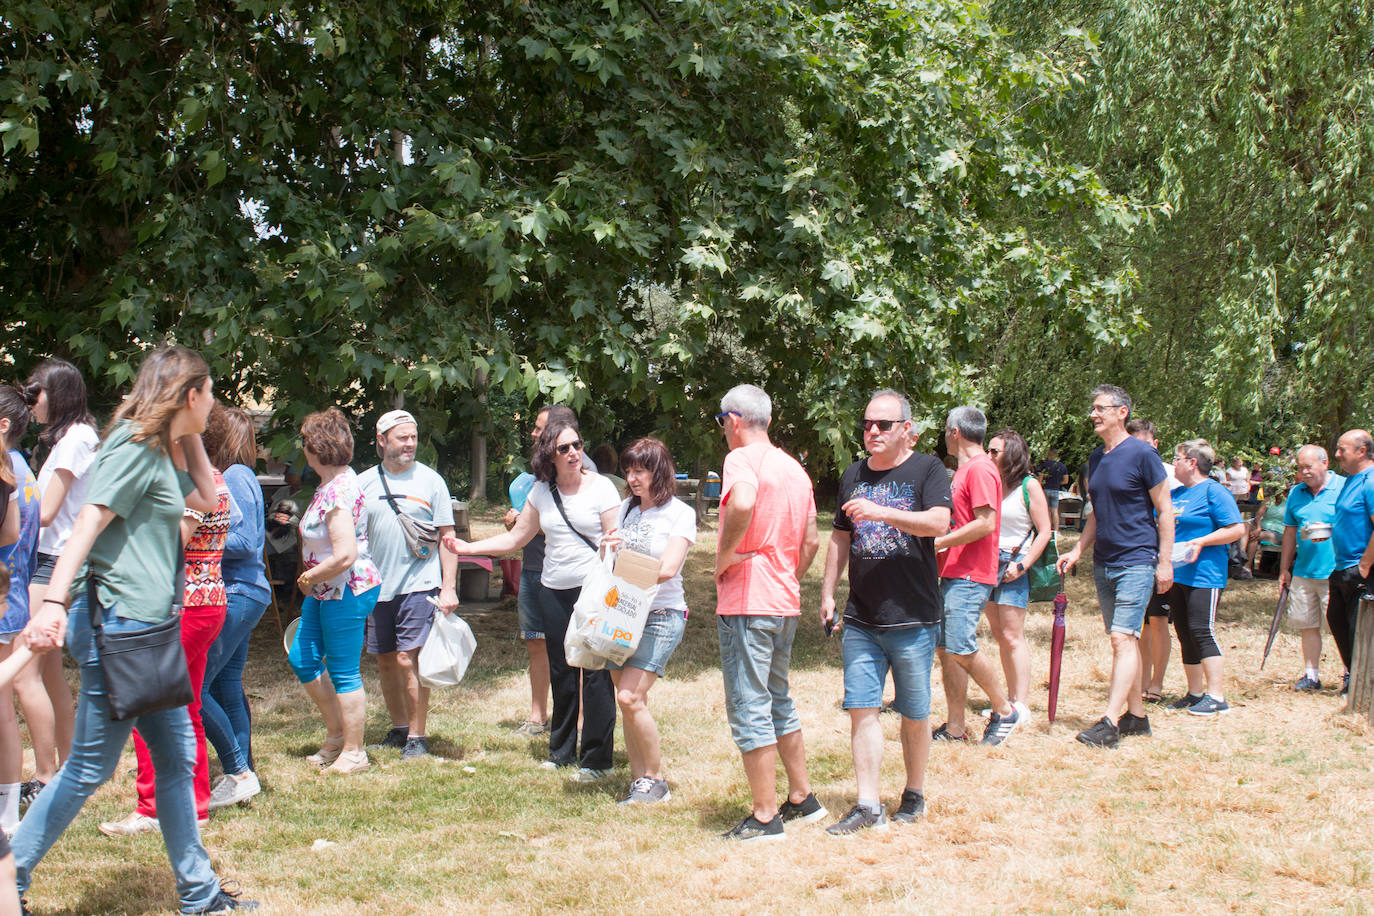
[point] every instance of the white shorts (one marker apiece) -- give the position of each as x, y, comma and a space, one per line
1306, 602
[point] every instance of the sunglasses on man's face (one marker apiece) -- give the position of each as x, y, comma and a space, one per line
883, 425
576, 444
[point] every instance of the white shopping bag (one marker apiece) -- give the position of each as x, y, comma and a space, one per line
621, 607
447, 651
584, 617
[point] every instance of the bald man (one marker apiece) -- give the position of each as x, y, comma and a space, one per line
1352, 539
1307, 563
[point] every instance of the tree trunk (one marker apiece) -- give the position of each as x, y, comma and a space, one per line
479, 443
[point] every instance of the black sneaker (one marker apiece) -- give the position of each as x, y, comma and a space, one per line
942, 734
396, 737
29, 791
1133, 725
225, 902
803, 812
1102, 734
1307, 682
415, 748
1209, 706
912, 809
1001, 727
750, 829
858, 818
1185, 701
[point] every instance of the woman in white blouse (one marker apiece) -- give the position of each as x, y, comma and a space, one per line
573, 509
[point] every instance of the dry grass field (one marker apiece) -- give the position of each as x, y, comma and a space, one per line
1267, 809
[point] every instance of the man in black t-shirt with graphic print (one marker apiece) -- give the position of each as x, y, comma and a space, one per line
892, 506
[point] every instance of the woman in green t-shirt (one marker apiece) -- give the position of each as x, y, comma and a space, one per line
128, 536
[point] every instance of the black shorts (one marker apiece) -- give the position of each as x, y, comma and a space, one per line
42, 574
1158, 606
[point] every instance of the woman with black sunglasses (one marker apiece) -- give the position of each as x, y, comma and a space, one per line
573, 509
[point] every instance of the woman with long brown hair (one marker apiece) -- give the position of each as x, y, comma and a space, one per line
128, 535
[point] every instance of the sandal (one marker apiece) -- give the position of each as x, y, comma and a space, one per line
328, 753
1149, 696
350, 763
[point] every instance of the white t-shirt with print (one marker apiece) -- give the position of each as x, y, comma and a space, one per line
74, 452
567, 558
648, 532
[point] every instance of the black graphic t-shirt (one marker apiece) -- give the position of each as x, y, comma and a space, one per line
893, 579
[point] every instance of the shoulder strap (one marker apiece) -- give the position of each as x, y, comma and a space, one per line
558, 501
1029, 531
92, 604
390, 500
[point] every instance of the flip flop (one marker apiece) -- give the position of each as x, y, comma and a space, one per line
1149, 697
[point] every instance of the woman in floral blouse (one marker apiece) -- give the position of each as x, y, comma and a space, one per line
202, 615
341, 584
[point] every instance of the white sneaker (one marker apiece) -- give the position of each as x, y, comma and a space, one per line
230, 791
1023, 712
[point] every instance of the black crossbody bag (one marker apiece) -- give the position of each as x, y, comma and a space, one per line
145, 670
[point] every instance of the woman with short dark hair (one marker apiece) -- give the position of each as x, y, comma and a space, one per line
341, 585
654, 522
573, 509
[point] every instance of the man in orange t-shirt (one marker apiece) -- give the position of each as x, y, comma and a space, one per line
768, 538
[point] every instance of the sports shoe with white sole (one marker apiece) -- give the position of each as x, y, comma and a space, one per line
230, 791
803, 812
858, 818
750, 830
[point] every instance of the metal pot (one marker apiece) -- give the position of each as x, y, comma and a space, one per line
1317, 531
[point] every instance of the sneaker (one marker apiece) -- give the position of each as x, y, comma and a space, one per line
1022, 711
1187, 701
912, 808
1308, 683
224, 902
803, 812
858, 818
1102, 734
942, 734
751, 829
1208, 706
588, 775
1000, 727
1133, 725
551, 765
533, 729
415, 748
395, 737
132, 825
647, 791
29, 791
1345, 684
230, 791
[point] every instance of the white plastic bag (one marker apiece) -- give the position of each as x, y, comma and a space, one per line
447, 651
584, 616
613, 607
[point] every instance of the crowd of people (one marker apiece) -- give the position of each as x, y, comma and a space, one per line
163, 515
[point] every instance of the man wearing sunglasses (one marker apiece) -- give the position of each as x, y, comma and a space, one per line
892, 506
767, 541
969, 571
1131, 532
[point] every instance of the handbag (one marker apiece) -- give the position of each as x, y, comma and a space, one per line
421, 536
1044, 572
145, 670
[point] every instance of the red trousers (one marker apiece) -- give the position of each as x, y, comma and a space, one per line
199, 628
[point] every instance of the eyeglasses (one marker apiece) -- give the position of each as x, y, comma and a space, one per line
1103, 408
883, 425
994, 452
720, 417
575, 445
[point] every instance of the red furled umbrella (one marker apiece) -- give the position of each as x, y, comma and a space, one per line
1061, 604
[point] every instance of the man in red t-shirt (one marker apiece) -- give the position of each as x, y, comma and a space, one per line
968, 574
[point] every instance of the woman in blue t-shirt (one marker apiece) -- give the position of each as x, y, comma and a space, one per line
1205, 521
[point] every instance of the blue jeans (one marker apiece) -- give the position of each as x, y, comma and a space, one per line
868, 654
223, 704
96, 747
1123, 594
755, 655
331, 633
964, 600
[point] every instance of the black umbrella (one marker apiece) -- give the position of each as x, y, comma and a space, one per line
1274, 627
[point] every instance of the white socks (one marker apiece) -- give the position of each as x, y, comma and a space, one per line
9, 806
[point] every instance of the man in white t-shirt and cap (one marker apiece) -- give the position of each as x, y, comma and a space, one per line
418, 576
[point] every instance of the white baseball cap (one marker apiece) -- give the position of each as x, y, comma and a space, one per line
391, 419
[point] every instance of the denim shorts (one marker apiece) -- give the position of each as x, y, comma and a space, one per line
755, 651
868, 655
531, 621
964, 600
1015, 593
1051, 497
1123, 594
662, 633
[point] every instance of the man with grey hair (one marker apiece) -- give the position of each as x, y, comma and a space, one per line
1308, 560
1352, 539
969, 567
767, 540
1131, 532
892, 506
